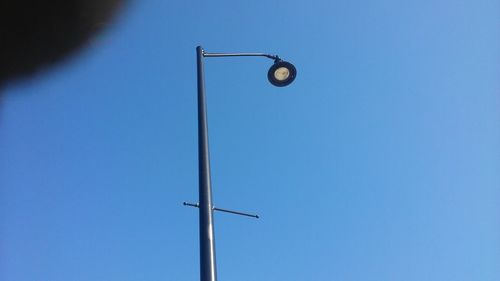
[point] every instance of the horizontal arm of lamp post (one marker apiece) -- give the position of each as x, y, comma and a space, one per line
274, 57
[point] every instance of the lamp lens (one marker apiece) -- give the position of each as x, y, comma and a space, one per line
281, 73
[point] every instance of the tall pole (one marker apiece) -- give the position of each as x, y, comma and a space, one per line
208, 269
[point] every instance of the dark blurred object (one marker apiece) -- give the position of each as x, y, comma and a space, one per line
35, 34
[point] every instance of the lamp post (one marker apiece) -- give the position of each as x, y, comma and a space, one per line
280, 74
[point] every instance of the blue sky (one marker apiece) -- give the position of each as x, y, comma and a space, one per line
380, 162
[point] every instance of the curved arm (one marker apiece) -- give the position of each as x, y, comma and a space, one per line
274, 57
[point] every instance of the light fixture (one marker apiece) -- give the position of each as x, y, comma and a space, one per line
281, 73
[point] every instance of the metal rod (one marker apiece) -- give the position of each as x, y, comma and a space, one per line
274, 57
196, 205
236, 213
191, 204
208, 268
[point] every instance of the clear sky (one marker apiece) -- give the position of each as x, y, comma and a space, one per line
380, 162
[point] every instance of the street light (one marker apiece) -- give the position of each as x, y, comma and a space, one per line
280, 74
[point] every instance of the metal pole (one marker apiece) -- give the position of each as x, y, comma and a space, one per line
208, 269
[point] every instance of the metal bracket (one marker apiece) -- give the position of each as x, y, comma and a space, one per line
196, 205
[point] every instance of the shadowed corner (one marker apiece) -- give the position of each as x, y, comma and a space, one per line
36, 35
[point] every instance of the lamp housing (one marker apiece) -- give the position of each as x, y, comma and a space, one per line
281, 73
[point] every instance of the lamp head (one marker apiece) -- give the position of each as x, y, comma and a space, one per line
281, 73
